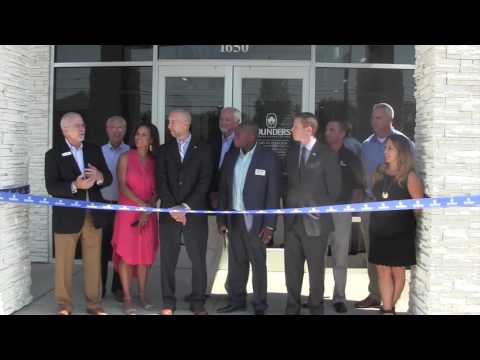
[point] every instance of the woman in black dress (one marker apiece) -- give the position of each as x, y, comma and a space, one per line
392, 233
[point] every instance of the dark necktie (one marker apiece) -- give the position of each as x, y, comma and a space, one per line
303, 158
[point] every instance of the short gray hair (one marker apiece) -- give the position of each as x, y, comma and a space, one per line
188, 116
236, 113
66, 118
116, 118
388, 109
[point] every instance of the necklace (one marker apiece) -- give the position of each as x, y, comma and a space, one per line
385, 193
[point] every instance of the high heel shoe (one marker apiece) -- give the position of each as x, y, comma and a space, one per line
144, 303
387, 312
128, 307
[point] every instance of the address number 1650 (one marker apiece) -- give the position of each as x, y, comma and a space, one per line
234, 49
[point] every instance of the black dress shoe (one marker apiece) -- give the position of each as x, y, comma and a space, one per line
340, 307
231, 308
292, 312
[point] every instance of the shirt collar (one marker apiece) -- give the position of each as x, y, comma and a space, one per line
252, 150
118, 148
392, 131
186, 141
229, 137
73, 148
311, 143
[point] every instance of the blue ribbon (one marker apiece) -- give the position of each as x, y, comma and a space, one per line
393, 205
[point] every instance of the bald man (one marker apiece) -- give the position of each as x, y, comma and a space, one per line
184, 173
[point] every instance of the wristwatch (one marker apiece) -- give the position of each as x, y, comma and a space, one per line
73, 187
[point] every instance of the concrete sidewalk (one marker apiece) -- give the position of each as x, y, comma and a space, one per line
43, 283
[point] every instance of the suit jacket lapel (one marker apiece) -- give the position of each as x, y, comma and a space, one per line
252, 167
313, 154
70, 158
86, 156
175, 152
230, 171
192, 148
295, 156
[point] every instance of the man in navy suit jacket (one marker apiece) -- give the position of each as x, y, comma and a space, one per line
250, 180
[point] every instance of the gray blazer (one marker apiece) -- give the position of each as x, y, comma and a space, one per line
320, 185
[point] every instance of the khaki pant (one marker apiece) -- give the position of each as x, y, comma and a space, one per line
372, 271
65, 246
340, 245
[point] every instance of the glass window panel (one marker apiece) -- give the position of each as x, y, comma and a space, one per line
384, 54
98, 93
97, 53
271, 103
202, 97
259, 52
351, 93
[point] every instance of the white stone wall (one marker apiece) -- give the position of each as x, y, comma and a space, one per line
447, 277
15, 99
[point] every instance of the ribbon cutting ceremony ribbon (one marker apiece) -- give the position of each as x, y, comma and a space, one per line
415, 204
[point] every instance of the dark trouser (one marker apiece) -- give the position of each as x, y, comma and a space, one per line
298, 248
195, 236
107, 254
243, 249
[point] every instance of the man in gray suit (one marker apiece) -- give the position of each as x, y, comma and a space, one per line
314, 179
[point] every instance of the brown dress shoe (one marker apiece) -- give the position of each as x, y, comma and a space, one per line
201, 311
368, 302
96, 311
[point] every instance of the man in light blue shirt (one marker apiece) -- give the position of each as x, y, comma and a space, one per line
116, 128
250, 180
372, 156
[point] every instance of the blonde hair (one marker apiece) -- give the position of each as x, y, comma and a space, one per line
405, 158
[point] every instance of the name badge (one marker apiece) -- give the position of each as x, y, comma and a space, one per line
260, 172
68, 153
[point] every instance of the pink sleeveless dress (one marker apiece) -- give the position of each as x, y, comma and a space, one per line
135, 245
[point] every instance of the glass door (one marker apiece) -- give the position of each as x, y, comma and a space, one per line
270, 96
201, 90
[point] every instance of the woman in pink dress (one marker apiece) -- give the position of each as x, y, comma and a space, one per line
135, 234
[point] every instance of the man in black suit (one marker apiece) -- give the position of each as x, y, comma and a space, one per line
250, 181
314, 179
184, 173
75, 169
221, 146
